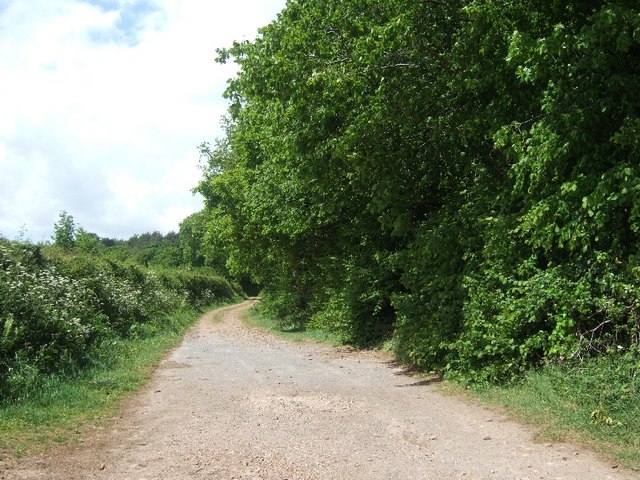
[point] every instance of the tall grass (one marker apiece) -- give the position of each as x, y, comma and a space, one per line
256, 317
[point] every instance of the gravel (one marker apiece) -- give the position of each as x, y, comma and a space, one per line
233, 402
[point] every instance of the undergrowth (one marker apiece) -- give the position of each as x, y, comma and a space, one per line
60, 308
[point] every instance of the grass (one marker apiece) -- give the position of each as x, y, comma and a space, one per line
256, 319
59, 410
588, 406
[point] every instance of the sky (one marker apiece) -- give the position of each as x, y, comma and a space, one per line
103, 104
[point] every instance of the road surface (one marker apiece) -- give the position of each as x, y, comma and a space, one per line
232, 402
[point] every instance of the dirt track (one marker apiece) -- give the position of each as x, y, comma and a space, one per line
237, 403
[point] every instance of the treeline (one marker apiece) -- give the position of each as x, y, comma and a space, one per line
149, 249
461, 177
183, 249
63, 304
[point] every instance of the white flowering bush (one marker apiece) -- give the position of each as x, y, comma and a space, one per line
48, 321
58, 306
129, 296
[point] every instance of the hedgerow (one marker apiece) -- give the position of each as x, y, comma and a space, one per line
58, 306
462, 176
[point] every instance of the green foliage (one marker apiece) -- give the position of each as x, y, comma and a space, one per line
49, 320
64, 231
87, 242
173, 250
199, 287
461, 175
155, 249
556, 272
58, 307
432, 272
192, 231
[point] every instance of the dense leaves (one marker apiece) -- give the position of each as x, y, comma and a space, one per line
459, 176
59, 307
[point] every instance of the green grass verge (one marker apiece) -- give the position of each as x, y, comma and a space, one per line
586, 406
254, 317
59, 410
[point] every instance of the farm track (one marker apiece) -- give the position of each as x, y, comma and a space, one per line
232, 402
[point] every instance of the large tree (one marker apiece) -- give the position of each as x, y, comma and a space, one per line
462, 174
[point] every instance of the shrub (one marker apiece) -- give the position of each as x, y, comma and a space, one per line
58, 305
48, 320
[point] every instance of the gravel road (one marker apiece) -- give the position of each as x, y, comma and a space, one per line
233, 402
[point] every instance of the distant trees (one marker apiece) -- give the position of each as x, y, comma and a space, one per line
87, 241
184, 249
192, 233
460, 175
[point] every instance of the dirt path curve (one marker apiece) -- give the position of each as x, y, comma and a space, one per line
236, 403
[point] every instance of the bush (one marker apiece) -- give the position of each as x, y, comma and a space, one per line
199, 287
58, 305
48, 320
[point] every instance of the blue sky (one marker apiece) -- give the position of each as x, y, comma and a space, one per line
104, 103
129, 25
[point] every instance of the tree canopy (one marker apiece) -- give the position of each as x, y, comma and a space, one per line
461, 176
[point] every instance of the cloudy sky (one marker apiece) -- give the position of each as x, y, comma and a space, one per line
103, 104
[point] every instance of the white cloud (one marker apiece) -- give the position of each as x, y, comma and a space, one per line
104, 103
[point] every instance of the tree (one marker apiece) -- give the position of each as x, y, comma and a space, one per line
462, 174
64, 231
87, 241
